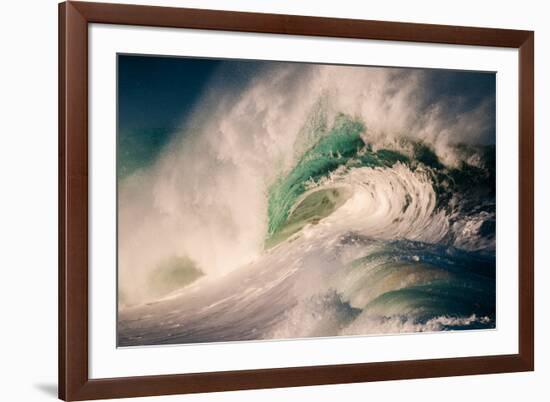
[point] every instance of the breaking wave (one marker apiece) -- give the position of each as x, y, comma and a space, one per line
315, 202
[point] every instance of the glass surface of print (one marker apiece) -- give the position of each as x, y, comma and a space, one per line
271, 200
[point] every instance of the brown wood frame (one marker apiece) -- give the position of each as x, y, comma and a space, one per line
74, 383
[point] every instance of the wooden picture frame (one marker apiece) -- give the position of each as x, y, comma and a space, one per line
74, 381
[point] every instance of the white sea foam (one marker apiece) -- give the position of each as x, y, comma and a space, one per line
386, 203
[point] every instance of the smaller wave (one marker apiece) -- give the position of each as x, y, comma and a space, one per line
380, 287
404, 324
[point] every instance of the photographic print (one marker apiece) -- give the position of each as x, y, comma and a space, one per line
263, 200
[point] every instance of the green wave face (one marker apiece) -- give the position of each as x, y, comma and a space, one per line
310, 210
342, 146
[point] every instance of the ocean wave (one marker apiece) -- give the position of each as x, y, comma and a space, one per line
311, 216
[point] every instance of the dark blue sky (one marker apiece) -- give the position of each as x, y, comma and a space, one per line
157, 92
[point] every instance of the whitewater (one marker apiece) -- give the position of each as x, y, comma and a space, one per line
315, 201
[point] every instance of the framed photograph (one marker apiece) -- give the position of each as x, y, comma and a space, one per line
259, 200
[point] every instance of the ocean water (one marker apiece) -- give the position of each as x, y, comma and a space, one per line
337, 230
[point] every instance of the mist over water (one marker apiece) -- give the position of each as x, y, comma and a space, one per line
313, 201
